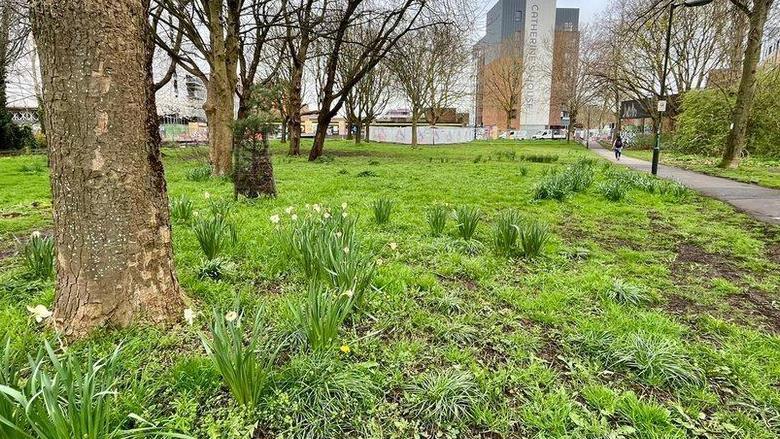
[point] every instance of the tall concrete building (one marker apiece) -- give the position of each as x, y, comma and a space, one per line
541, 37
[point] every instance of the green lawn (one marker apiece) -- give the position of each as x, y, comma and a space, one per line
756, 170
654, 316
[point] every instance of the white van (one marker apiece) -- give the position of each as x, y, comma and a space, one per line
548, 135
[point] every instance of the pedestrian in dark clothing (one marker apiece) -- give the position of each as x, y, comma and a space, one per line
618, 147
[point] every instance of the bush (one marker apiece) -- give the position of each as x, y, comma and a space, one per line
613, 190
539, 158
442, 398
247, 365
217, 268
71, 397
181, 209
628, 294
382, 209
437, 219
39, 256
364, 174
201, 173
657, 360
215, 235
552, 187
506, 232
318, 318
326, 248
580, 175
467, 218
533, 237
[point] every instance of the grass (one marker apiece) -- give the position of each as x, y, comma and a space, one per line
757, 170
451, 338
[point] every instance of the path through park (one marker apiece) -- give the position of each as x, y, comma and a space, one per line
759, 202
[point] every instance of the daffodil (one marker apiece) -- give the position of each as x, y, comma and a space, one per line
189, 316
294, 217
40, 312
206, 195
344, 206
349, 293
275, 219
289, 210
317, 208
393, 246
345, 349
326, 215
380, 261
338, 235
346, 250
343, 214
231, 316
36, 234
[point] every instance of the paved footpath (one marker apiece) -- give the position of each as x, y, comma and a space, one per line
759, 202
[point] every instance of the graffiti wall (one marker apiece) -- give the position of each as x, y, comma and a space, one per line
425, 135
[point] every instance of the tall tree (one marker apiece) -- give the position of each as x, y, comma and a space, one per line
502, 79
14, 30
227, 45
757, 13
111, 221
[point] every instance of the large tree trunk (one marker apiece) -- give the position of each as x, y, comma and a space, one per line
735, 142
368, 132
359, 133
219, 108
111, 221
284, 129
414, 128
349, 129
319, 139
296, 103
509, 120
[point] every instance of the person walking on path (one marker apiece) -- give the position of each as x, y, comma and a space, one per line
618, 147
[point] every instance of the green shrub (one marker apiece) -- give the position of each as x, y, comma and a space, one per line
442, 398
72, 397
217, 268
318, 318
181, 209
628, 294
10, 376
382, 209
215, 235
322, 397
437, 219
201, 173
245, 364
657, 360
38, 255
552, 187
580, 175
539, 158
220, 207
368, 173
326, 248
613, 190
468, 218
533, 237
523, 171
506, 232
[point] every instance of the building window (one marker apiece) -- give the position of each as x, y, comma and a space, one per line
518, 16
568, 26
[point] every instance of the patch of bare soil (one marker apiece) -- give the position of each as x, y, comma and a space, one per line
773, 253
692, 259
460, 279
756, 303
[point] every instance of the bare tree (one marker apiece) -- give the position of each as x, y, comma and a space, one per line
367, 100
757, 13
14, 31
502, 79
226, 44
414, 73
111, 221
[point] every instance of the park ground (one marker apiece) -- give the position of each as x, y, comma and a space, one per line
653, 316
757, 170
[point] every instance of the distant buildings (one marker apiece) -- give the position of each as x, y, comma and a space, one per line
546, 39
770, 51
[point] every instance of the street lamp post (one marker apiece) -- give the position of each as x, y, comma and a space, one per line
664, 97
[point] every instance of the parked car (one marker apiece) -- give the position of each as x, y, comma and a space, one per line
508, 135
548, 135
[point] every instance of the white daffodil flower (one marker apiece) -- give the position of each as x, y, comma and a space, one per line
40, 312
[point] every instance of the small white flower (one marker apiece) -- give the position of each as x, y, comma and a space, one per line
189, 316
294, 217
393, 246
326, 215
307, 206
231, 316
343, 214
349, 293
206, 195
289, 210
346, 250
317, 208
380, 261
36, 234
338, 234
344, 206
275, 219
40, 312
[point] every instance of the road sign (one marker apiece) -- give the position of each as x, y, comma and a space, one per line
662, 106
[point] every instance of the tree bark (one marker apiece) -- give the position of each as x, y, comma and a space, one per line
349, 130
111, 221
219, 108
359, 133
296, 103
319, 141
415, 116
368, 132
735, 142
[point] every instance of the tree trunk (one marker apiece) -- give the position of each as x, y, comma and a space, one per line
284, 129
219, 109
319, 141
368, 132
349, 129
735, 142
508, 120
415, 116
296, 102
358, 133
111, 221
